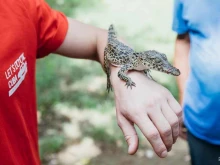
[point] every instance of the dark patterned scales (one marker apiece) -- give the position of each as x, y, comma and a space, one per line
118, 54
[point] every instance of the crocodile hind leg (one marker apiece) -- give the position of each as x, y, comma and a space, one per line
123, 76
109, 85
147, 73
108, 72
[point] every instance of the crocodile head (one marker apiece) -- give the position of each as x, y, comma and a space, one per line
158, 61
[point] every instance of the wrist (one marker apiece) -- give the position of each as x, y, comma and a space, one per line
137, 76
114, 75
101, 42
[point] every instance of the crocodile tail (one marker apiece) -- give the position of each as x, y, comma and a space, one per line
111, 33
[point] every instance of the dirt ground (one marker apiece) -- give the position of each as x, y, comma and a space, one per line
178, 155
97, 148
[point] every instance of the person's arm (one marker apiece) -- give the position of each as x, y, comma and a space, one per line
149, 105
181, 61
83, 41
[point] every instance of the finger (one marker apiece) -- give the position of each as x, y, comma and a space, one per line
183, 135
129, 132
151, 133
175, 106
163, 127
183, 132
172, 120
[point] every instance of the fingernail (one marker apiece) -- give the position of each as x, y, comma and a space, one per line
129, 149
164, 154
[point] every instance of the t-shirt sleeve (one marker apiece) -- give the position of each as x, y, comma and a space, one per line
179, 23
51, 27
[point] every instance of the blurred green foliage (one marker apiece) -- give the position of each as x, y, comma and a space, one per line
50, 144
68, 6
54, 71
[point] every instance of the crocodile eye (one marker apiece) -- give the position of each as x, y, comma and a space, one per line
164, 56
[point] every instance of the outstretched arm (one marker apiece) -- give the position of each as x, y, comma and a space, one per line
84, 42
150, 106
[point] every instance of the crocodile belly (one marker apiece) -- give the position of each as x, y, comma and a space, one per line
115, 64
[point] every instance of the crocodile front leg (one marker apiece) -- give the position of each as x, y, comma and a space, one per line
122, 75
147, 73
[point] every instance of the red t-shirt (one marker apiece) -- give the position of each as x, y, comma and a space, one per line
28, 29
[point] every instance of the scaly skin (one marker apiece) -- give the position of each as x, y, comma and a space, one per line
118, 54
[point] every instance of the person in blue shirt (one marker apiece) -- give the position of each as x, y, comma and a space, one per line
197, 55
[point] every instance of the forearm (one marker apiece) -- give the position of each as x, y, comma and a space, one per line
181, 61
83, 41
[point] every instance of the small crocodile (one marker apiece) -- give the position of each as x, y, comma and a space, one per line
118, 54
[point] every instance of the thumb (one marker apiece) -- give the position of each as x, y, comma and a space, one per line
130, 134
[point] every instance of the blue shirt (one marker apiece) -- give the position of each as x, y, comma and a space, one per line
201, 19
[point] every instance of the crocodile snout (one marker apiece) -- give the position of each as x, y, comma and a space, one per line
175, 72
172, 70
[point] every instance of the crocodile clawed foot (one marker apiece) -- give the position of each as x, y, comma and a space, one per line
109, 88
130, 84
109, 85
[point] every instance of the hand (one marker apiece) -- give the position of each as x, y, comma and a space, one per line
151, 107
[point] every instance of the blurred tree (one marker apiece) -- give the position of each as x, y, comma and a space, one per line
68, 7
